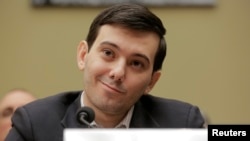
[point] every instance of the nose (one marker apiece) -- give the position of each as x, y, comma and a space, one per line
118, 71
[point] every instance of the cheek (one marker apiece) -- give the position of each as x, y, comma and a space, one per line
5, 125
94, 68
138, 83
4, 129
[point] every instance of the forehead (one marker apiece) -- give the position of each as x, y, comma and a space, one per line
146, 42
15, 99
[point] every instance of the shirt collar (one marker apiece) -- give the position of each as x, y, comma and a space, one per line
123, 124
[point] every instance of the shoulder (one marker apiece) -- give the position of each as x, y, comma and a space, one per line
42, 117
177, 113
53, 104
159, 104
166, 102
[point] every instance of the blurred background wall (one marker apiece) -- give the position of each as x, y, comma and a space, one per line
207, 62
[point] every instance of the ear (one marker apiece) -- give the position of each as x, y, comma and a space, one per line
82, 51
155, 77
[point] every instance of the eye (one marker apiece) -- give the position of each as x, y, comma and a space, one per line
8, 112
108, 53
137, 64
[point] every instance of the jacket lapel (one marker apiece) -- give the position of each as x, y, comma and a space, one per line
70, 118
141, 118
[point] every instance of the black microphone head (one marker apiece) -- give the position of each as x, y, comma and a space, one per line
87, 113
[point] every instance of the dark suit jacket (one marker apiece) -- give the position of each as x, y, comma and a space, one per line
45, 119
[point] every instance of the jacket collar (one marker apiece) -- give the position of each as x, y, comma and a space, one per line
141, 118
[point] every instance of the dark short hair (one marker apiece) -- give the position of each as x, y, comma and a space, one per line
135, 17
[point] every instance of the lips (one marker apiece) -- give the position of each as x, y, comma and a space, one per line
113, 87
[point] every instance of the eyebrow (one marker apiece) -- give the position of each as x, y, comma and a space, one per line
117, 47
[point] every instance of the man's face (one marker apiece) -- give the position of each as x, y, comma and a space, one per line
118, 68
8, 105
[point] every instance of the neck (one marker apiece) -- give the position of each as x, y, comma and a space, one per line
104, 118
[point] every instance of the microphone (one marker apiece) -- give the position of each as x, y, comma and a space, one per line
85, 115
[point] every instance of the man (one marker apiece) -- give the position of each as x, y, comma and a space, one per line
8, 104
121, 61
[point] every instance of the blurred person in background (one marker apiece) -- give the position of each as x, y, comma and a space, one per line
8, 104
